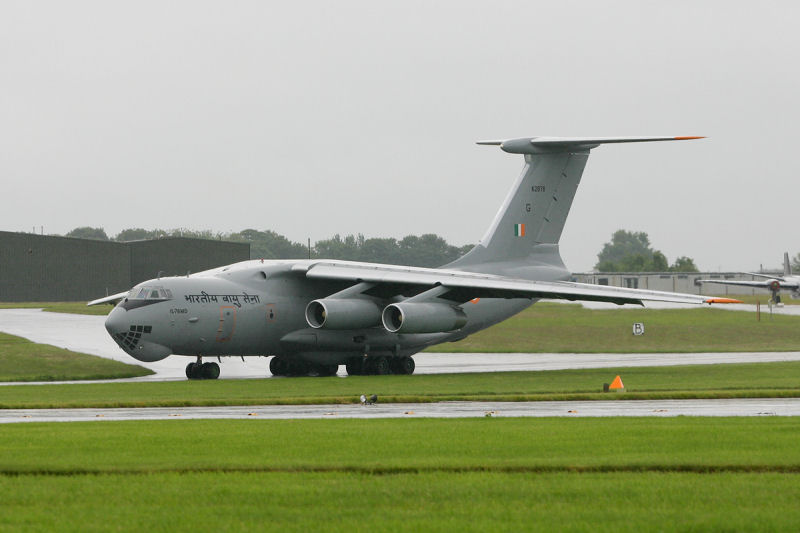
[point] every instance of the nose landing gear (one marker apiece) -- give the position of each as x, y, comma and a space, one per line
201, 370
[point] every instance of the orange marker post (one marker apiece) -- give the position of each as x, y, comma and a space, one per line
617, 385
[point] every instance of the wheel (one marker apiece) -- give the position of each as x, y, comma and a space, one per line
209, 370
192, 371
355, 366
278, 366
321, 370
404, 365
379, 366
298, 368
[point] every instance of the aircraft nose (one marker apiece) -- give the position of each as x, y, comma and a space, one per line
134, 338
116, 322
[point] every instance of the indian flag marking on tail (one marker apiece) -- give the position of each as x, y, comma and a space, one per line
519, 230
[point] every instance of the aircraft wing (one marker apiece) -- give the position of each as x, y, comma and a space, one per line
113, 299
462, 287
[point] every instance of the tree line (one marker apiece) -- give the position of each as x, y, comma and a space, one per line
628, 251
427, 250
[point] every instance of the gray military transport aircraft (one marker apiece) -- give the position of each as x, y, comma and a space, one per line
314, 315
773, 284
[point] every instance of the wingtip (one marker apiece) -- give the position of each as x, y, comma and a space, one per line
723, 301
689, 137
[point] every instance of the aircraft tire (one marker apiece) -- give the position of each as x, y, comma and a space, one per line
298, 368
323, 371
404, 365
355, 366
209, 371
193, 371
278, 366
379, 366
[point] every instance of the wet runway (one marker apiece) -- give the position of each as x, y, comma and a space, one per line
638, 408
86, 334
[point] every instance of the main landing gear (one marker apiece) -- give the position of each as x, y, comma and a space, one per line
356, 366
380, 366
283, 366
201, 370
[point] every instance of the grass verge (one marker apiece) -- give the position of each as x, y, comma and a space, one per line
403, 475
78, 308
23, 360
403, 445
695, 381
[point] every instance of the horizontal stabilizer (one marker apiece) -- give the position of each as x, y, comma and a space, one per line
532, 145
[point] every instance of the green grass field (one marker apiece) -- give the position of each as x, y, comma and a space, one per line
695, 381
570, 328
79, 308
485, 474
23, 360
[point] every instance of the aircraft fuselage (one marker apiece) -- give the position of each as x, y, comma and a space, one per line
258, 309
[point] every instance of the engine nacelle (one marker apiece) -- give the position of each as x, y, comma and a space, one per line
343, 313
422, 318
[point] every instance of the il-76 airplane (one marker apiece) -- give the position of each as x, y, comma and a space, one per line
773, 284
314, 315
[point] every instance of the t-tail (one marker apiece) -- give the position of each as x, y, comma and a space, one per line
522, 241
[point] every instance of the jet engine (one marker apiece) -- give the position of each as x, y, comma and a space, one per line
342, 313
422, 317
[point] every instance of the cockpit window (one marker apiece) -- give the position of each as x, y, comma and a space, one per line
150, 293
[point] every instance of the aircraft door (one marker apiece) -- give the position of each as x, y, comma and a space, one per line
227, 323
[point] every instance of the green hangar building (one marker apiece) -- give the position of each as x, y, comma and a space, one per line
41, 268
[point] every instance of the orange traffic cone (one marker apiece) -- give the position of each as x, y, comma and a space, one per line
617, 385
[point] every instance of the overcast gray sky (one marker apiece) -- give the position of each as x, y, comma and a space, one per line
312, 118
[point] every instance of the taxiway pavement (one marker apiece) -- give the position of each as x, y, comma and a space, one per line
637, 408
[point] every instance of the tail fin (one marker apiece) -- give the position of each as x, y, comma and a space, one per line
526, 230
787, 266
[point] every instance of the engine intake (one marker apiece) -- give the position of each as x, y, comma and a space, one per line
422, 318
335, 313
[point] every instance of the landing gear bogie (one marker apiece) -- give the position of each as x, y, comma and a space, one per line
202, 370
283, 366
380, 365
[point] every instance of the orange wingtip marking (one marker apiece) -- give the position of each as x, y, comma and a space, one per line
723, 301
689, 137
